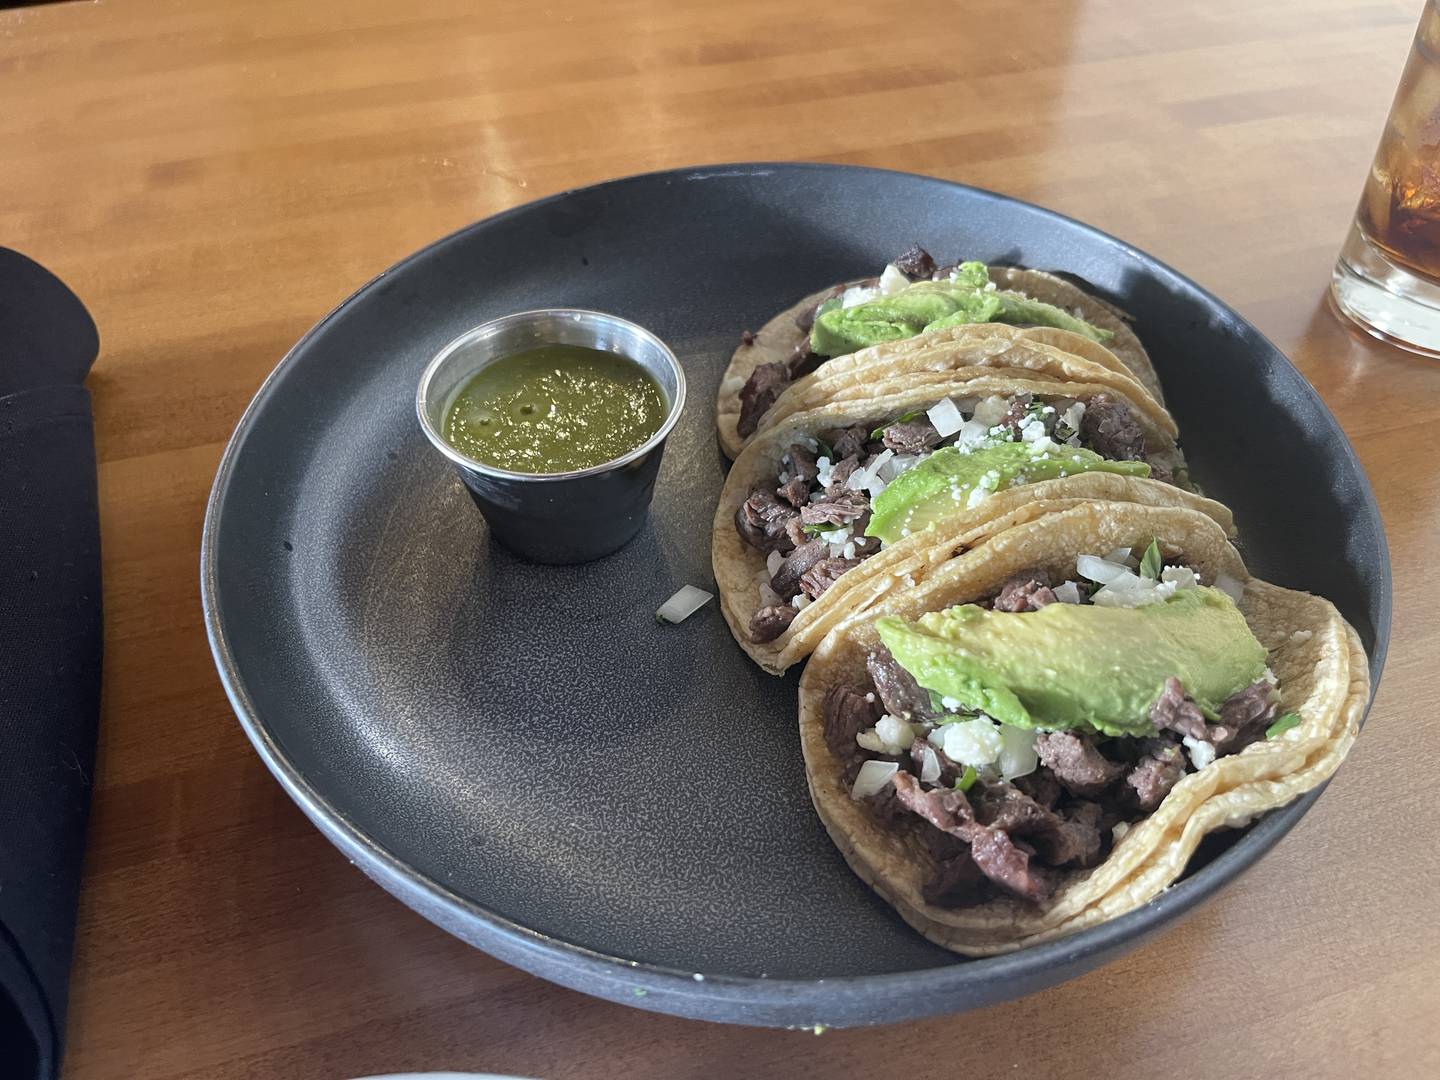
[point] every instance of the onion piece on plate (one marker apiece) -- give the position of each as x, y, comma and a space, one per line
686, 601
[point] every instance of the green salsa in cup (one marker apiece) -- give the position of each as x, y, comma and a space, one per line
555, 409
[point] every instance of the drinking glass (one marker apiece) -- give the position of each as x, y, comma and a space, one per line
1387, 278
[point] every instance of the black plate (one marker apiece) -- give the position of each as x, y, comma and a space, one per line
519, 752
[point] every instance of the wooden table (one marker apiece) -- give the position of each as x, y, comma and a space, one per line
212, 176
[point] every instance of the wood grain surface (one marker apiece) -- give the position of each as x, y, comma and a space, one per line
212, 176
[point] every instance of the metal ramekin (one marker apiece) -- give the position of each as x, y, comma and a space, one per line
569, 517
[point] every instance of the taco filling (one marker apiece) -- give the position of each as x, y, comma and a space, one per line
1020, 736
838, 499
912, 296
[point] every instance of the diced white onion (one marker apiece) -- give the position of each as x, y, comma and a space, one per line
1102, 570
945, 417
801, 602
894, 733
857, 294
1069, 593
892, 280
836, 536
1132, 591
868, 479
972, 742
1017, 756
972, 433
868, 740
1231, 587
929, 765
1201, 753
773, 561
1123, 557
1182, 577
872, 778
1032, 430
824, 469
897, 465
991, 410
686, 601
1042, 446
1071, 418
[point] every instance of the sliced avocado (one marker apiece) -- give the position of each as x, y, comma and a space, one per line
1077, 665
887, 318
971, 275
933, 305
1012, 307
945, 481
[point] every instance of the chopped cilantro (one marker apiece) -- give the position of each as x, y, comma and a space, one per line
1151, 564
967, 779
879, 432
1285, 723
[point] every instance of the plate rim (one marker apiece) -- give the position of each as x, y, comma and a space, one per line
892, 996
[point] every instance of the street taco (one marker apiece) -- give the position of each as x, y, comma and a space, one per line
1035, 738
912, 296
959, 353
827, 512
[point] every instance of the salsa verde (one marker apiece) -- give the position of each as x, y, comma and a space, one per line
556, 408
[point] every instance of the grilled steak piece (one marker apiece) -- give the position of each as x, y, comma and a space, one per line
786, 579
897, 689
1025, 592
916, 263
911, 437
1157, 771
997, 856
1173, 711
841, 510
762, 522
846, 713
766, 383
815, 581
1077, 764
1110, 430
769, 623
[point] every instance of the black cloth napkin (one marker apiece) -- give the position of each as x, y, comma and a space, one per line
49, 651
